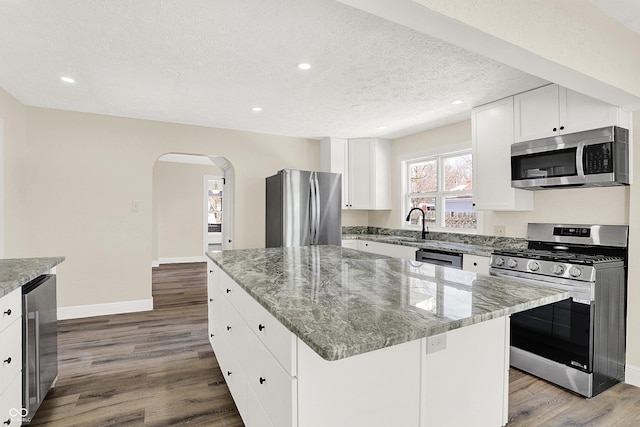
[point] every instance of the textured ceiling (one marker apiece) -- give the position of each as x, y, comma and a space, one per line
627, 12
209, 62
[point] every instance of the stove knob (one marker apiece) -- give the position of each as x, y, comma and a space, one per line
558, 269
513, 263
534, 266
575, 272
499, 261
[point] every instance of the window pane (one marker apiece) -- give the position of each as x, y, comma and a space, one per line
428, 205
423, 177
459, 212
457, 173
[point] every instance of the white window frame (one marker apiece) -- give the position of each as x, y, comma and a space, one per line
439, 155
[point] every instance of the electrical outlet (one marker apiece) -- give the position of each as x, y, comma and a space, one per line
436, 343
498, 230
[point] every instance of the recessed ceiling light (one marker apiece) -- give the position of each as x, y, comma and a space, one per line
257, 109
303, 66
457, 102
67, 79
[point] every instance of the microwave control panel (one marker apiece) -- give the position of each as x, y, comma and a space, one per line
598, 158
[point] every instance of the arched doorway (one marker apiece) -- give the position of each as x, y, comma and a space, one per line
180, 206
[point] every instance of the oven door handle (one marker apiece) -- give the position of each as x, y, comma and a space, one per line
539, 282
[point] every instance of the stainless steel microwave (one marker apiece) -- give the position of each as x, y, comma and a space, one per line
593, 158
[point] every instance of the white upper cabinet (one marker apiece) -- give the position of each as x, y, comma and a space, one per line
365, 165
492, 136
555, 110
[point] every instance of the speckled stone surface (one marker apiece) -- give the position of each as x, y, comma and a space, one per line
16, 272
473, 244
343, 302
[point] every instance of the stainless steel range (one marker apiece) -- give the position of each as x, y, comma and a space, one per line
578, 343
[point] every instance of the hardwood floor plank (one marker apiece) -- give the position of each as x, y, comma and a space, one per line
157, 368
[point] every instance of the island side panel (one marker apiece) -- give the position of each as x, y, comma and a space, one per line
467, 383
379, 388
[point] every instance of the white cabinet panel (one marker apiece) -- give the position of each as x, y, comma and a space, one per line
554, 110
10, 402
365, 165
10, 353
396, 251
473, 369
477, 264
492, 136
10, 308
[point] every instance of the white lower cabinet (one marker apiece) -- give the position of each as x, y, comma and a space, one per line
11, 359
476, 263
388, 249
284, 383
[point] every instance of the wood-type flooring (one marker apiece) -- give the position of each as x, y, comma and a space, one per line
157, 368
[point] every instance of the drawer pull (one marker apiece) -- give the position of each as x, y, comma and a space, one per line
211, 335
8, 312
228, 373
7, 360
8, 422
262, 380
261, 327
210, 299
228, 328
228, 290
210, 271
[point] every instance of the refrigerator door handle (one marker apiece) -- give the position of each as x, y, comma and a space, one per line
316, 238
312, 209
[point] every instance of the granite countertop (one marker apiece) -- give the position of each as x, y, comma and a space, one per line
343, 302
441, 245
19, 271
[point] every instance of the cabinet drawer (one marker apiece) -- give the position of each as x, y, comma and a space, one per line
10, 308
11, 403
234, 375
256, 415
274, 388
273, 334
10, 352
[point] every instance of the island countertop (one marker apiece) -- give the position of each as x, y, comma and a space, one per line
343, 302
19, 271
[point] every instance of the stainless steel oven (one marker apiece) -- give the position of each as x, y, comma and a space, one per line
578, 343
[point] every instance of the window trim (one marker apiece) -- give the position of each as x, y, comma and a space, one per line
439, 154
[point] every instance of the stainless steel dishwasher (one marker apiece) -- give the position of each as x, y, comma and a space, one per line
447, 259
40, 340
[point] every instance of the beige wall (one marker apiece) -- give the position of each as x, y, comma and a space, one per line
179, 188
633, 302
72, 179
13, 133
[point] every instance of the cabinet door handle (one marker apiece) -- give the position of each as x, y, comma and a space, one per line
211, 335
7, 422
7, 360
555, 129
8, 312
261, 327
210, 299
262, 380
475, 264
228, 328
210, 271
228, 290
561, 127
229, 373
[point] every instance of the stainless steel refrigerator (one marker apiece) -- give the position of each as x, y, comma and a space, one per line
304, 208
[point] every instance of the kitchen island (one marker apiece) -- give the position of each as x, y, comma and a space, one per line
324, 335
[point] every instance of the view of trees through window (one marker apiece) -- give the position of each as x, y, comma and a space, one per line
442, 187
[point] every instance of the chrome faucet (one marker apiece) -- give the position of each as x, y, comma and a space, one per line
424, 232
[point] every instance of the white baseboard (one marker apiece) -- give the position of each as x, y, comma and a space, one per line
79, 311
632, 375
184, 259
